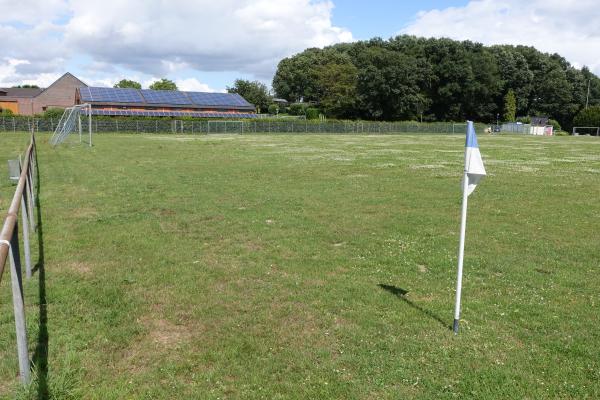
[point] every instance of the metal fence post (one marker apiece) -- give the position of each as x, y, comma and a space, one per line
18, 304
26, 249
31, 197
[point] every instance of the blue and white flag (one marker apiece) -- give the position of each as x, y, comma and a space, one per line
473, 162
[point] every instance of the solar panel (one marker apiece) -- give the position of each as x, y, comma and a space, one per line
110, 95
165, 96
218, 99
152, 113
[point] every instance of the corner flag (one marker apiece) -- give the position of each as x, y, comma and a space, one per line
473, 163
473, 173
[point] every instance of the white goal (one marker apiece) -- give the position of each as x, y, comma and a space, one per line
586, 130
71, 121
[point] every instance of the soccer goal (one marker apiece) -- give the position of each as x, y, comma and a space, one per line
586, 130
71, 122
235, 127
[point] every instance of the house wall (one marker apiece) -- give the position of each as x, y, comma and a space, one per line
60, 94
26, 106
10, 105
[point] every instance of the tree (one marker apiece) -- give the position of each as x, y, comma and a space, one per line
163, 84
510, 106
127, 83
26, 86
588, 117
337, 84
255, 92
407, 77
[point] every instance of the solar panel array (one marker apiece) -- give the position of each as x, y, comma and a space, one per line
199, 114
110, 95
165, 97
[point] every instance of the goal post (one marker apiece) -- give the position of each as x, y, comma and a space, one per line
70, 121
586, 130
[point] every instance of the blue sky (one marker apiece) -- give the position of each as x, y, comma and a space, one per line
204, 45
383, 18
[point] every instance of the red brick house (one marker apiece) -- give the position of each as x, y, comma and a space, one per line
25, 101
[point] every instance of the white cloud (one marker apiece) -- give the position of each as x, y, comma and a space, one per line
8, 67
566, 27
159, 38
32, 11
194, 85
155, 37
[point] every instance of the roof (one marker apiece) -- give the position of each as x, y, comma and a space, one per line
66, 75
20, 92
539, 121
162, 98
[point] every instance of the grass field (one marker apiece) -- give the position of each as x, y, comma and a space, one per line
309, 267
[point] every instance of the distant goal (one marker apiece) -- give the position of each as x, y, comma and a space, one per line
586, 130
71, 121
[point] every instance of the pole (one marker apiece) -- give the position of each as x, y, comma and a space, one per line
79, 125
587, 97
461, 252
18, 306
90, 117
26, 249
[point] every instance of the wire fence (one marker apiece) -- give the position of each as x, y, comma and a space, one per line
120, 125
10, 247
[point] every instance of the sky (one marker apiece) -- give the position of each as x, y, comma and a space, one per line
205, 45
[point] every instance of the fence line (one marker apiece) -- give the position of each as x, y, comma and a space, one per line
295, 126
24, 201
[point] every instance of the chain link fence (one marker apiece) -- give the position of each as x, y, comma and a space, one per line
121, 125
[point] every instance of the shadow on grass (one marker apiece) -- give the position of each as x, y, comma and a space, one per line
400, 293
40, 356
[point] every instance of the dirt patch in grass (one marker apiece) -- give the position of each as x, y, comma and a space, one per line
165, 333
79, 267
253, 246
84, 212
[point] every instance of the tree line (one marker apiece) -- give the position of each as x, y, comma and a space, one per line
427, 79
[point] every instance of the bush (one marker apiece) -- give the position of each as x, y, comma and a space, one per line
273, 109
524, 120
5, 112
555, 125
298, 109
312, 113
588, 117
53, 113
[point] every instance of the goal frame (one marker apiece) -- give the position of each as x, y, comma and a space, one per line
575, 133
70, 119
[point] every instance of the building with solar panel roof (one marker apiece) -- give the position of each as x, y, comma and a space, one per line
164, 103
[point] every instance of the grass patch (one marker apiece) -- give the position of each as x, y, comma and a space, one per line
309, 267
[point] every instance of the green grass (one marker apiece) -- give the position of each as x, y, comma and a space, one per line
273, 267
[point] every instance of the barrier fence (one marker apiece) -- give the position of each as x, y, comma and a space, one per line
128, 125
24, 201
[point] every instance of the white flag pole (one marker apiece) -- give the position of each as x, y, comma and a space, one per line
461, 249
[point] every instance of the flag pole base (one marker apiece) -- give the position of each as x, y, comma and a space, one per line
455, 327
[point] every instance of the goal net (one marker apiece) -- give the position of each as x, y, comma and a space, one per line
235, 127
72, 121
586, 130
